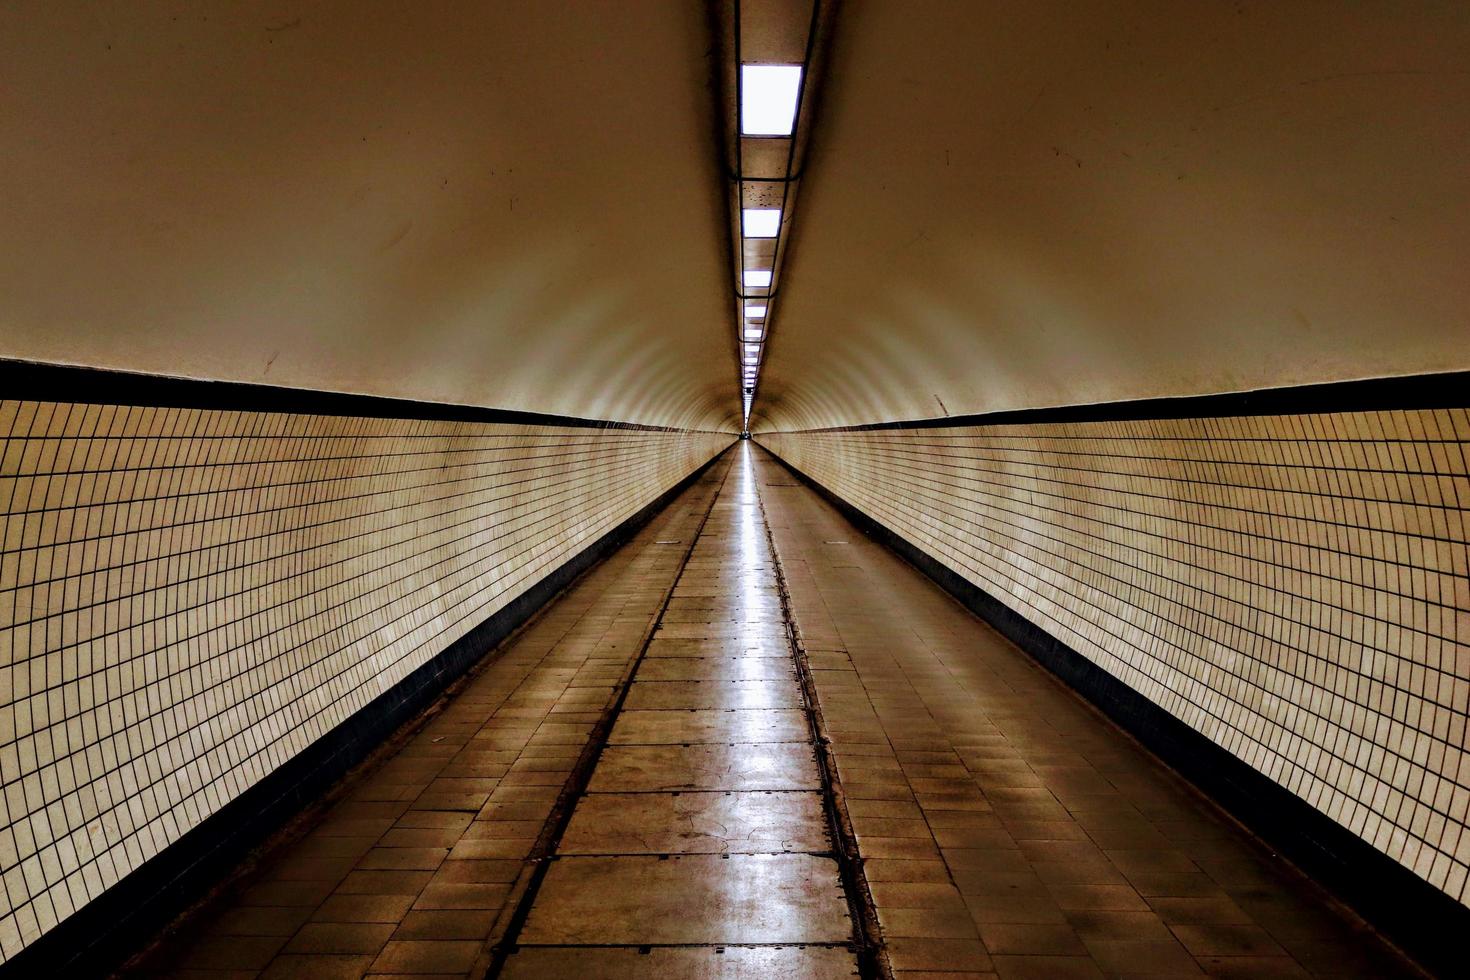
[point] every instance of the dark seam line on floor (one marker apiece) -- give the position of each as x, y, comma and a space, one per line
872, 956
1401, 394
686, 745
820, 944
101, 935
675, 855
502, 939
823, 944
706, 792
1422, 922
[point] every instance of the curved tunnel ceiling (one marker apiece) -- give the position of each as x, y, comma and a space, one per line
505, 204
1016, 205
518, 204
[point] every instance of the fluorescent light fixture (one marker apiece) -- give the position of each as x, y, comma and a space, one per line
752, 348
761, 222
757, 278
768, 99
752, 335
755, 311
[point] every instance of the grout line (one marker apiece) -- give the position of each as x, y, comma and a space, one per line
717, 946
764, 741
705, 792
674, 856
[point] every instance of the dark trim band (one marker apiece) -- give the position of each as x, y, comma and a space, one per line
102, 934
1409, 393
35, 381
1427, 923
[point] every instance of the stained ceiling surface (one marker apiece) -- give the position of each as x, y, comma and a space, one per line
519, 204
512, 204
1017, 205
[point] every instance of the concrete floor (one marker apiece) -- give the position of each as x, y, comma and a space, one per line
1004, 827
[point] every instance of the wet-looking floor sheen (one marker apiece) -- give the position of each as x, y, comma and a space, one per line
702, 846
653, 780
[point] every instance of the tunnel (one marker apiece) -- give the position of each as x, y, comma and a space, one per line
734, 489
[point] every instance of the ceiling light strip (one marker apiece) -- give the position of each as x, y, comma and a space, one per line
767, 128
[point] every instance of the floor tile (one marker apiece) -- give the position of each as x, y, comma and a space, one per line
697, 823
688, 727
789, 898
709, 766
721, 694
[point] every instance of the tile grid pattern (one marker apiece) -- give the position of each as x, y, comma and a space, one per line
1294, 587
1006, 828
189, 597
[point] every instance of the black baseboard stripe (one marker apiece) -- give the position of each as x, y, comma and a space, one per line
35, 381
1422, 920
102, 934
1410, 393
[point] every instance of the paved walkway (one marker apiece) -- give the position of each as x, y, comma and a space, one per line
632, 788
702, 846
1005, 825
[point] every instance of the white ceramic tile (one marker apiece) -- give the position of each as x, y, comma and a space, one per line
188, 598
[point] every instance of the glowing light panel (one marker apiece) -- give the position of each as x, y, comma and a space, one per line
761, 222
768, 99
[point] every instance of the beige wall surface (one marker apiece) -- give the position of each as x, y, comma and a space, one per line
1016, 205
190, 598
509, 204
1295, 588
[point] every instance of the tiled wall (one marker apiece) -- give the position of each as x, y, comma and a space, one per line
190, 597
1294, 587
